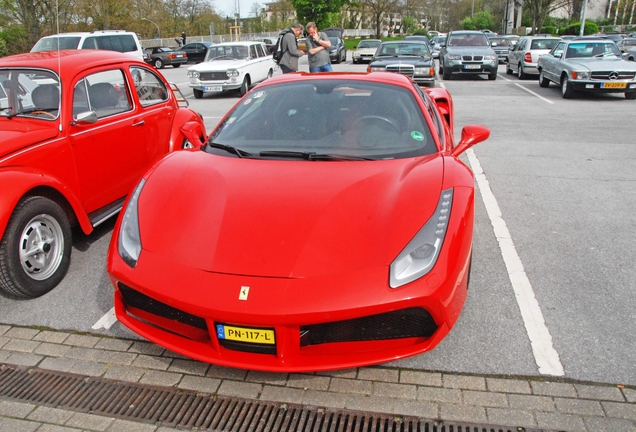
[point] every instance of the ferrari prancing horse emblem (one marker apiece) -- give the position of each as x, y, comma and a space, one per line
245, 291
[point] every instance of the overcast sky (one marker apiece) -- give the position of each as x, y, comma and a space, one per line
228, 7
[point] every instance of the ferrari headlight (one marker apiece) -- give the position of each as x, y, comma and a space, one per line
377, 68
129, 242
420, 255
581, 75
453, 57
232, 73
193, 74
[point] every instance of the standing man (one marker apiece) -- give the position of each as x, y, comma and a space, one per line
289, 62
318, 49
183, 38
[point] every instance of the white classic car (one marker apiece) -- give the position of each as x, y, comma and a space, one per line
231, 66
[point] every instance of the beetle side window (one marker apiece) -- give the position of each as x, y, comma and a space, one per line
102, 92
150, 89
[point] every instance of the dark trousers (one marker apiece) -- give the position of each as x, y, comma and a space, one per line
285, 69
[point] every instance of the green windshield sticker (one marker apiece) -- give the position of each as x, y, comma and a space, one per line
417, 136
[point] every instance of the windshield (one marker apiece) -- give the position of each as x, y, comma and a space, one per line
225, 52
544, 43
347, 118
468, 40
50, 43
592, 49
501, 41
407, 49
369, 44
29, 92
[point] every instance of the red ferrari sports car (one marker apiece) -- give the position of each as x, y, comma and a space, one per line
78, 128
326, 223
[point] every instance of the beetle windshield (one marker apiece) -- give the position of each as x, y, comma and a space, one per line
348, 118
29, 92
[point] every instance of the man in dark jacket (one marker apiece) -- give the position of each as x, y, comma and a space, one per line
291, 53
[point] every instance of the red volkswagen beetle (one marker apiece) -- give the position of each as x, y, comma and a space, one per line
77, 131
326, 223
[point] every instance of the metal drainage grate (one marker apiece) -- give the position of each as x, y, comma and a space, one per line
185, 409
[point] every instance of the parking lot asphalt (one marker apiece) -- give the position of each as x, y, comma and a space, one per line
515, 402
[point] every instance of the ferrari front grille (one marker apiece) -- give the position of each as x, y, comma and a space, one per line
407, 70
614, 75
405, 323
140, 301
212, 76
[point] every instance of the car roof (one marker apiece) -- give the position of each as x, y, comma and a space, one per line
472, 32
95, 32
71, 61
238, 43
404, 42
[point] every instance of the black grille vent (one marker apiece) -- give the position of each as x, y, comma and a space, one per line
472, 58
412, 322
184, 409
212, 76
141, 301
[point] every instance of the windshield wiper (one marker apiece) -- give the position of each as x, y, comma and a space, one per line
228, 148
310, 156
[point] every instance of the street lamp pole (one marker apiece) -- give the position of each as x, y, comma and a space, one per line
152, 22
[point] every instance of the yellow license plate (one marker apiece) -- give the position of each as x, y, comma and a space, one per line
245, 334
613, 85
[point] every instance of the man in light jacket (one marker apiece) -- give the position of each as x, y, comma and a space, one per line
291, 53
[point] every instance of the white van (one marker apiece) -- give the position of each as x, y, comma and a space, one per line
112, 40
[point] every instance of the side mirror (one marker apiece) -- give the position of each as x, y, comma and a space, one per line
83, 118
193, 133
471, 135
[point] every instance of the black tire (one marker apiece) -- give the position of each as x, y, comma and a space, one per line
520, 73
508, 70
176, 65
492, 76
35, 252
245, 86
543, 81
630, 95
446, 75
566, 89
158, 63
198, 94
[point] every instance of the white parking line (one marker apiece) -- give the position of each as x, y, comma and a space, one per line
106, 321
545, 355
534, 94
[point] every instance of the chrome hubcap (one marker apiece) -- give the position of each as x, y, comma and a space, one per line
41, 247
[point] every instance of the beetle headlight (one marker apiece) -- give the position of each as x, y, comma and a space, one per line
420, 255
129, 242
193, 74
232, 73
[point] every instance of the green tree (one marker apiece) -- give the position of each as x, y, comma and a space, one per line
317, 11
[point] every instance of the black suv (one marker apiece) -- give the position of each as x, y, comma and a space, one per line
467, 52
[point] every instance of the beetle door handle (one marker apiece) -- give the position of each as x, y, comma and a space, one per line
139, 123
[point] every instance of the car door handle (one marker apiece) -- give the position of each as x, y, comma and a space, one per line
139, 123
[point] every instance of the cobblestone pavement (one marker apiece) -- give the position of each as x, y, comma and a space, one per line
531, 402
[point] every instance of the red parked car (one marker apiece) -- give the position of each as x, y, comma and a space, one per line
78, 128
329, 225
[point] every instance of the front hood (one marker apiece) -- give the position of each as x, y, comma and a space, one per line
406, 60
16, 134
603, 64
218, 65
470, 50
366, 51
291, 219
